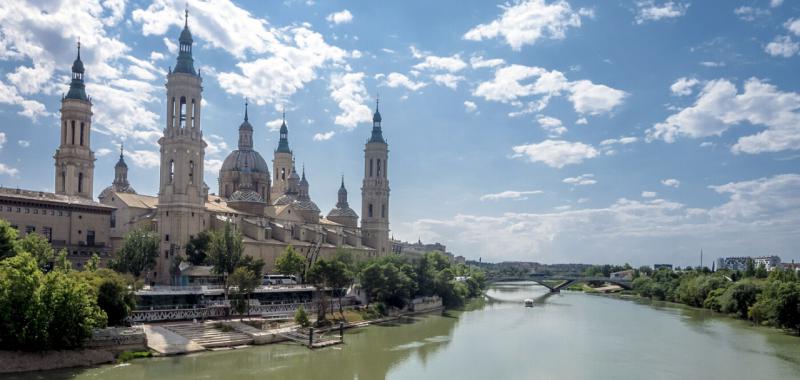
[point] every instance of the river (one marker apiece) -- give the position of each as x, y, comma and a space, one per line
567, 336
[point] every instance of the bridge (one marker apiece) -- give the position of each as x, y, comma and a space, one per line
556, 283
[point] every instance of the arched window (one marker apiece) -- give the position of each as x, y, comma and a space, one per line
80, 182
379, 167
72, 132
81, 140
63, 181
370, 167
171, 170
64, 134
369, 211
194, 113
172, 111
182, 112
283, 174
191, 171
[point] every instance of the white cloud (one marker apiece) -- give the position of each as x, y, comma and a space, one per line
582, 121
341, 17
553, 126
324, 136
215, 145
775, 3
479, 62
2, 139
684, 86
399, 80
102, 152
782, 46
793, 25
448, 80
746, 13
7, 170
514, 82
509, 194
621, 141
274, 125
712, 64
349, 92
648, 10
581, 180
156, 56
452, 64
649, 194
556, 153
526, 22
719, 106
24, 143
145, 159
763, 214
470, 106
212, 165
671, 182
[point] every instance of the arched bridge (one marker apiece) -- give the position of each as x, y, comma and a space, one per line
562, 282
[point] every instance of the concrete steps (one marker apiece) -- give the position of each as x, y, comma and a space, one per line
209, 336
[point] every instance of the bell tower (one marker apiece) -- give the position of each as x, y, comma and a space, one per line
182, 192
375, 190
74, 158
282, 163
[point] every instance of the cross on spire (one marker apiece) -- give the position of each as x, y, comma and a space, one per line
79, 48
186, 16
121, 149
245, 109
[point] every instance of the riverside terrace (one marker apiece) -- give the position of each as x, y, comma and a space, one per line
164, 303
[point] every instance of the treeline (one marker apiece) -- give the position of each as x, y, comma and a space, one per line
45, 305
765, 298
390, 280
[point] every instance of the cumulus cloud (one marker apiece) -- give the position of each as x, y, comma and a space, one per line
782, 46
671, 182
399, 80
8, 170
515, 82
145, 159
448, 80
479, 62
470, 106
747, 13
649, 194
553, 126
649, 10
215, 145
324, 136
793, 25
509, 194
24, 143
621, 141
350, 94
341, 17
452, 64
212, 165
526, 22
719, 106
581, 180
762, 214
555, 153
102, 152
684, 86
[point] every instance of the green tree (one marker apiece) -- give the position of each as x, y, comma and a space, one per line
138, 253
39, 247
22, 324
301, 317
116, 300
750, 268
197, 248
245, 281
761, 271
71, 308
225, 253
290, 262
739, 297
9, 244
93, 263
62, 262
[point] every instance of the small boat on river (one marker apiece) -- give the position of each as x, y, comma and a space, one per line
528, 302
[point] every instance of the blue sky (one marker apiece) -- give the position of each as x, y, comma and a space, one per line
552, 131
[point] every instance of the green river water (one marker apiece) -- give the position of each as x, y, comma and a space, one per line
568, 336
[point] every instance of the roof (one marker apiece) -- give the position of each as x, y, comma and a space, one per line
138, 200
239, 159
52, 198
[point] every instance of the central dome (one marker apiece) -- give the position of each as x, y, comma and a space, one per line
240, 159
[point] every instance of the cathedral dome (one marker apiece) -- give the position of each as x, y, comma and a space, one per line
239, 159
245, 195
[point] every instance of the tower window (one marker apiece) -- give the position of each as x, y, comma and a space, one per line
191, 171
370, 167
72, 132
80, 182
171, 170
182, 112
81, 141
283, 174
172, 111
379, 167
64, 134
369, 210
63, 181
194, 113
383, 211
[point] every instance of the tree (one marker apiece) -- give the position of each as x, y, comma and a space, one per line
290, 262
137, 254
114, 297
225, 253
245, 282
197, 248
22, 325
301, 317
739, 297
39, 247
62, 262
761, 271
9, 244
331, 274
750, 268
93, 263
71, 309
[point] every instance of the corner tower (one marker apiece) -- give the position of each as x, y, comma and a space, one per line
74, 158
282, 163
182, 193
375, 190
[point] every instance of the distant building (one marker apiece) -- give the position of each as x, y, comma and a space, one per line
740, 263
662, 266
418, 249
460, 259
791, 266
623, 275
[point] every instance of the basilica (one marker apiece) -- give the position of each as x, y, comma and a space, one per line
271, 207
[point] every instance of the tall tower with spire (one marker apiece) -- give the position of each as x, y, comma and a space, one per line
182, 192
74, 158
282, 162
375, 190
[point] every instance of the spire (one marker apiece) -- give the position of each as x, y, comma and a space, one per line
342, 201
77, 89
377, 133
121, 162
283, 143
245, 131
185, 61
245, 109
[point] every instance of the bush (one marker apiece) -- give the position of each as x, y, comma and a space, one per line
301, 317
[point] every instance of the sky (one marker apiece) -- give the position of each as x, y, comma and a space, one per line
544, 130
